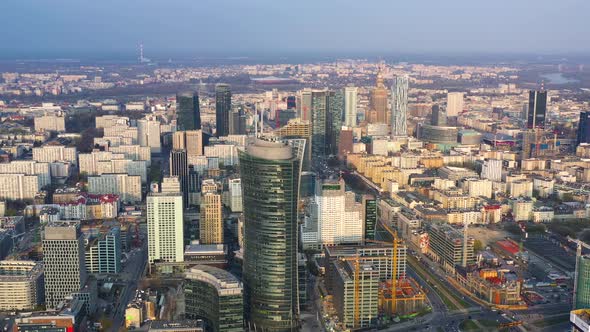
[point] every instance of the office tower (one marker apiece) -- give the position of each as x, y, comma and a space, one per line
188, 114
216, 296
378, 104
319, 114
211, 216
582, 280
103, 253
537, 109
190, 140
583, 128
438, 117
179, 168
399, 106
370, 216
64, 260
304, 104
270, 184
165, 227
222, 109
291, 102
454, 103
345, 143
21, 285
237, 122
334, 120
350, 104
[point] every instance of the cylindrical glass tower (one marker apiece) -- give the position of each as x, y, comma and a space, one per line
270, 184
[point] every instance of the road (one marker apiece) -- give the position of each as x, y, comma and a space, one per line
133, 272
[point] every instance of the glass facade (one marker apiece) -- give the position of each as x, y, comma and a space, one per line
582, 295
188, 114
215, 296
370, 211
583, 128
537, 109
270, 184
222, 109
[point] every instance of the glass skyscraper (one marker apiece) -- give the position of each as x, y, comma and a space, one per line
336, 110
270, 174
222, 109
583, 128
582, 295
188, 114
399, 105
537, 109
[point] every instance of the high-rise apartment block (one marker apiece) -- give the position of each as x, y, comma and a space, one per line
165, 227
128, 187
454, 103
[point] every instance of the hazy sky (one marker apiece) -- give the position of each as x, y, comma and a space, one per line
241, 27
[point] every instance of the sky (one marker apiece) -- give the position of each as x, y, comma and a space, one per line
33, 28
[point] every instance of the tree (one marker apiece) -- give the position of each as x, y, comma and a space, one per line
477, 246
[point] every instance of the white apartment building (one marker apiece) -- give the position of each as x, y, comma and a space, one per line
454, 103
235, 195
102, 162
165, 227
28, 167
122, 131
19, 186
51, 153
134, 152
520, 188
227, 153
106, 121
128, 187
148, 133
350, 106
478, 187
50, 122
339, 217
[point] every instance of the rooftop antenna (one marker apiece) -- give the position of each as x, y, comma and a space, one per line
141, 58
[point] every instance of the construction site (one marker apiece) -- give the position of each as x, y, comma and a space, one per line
368, 284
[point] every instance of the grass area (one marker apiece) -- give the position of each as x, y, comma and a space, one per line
552, 321
468, 325
440, 288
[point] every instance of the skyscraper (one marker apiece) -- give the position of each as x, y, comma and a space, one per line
454, 103
537, 109
399, 105
222, 109
179, 168
370, 216
439, 116
211, 216
319, 117
237, 122
304, 104
334, 120
270, 183
378, 112
583, 128
188, 114
350, 104
165, 227
64, 260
